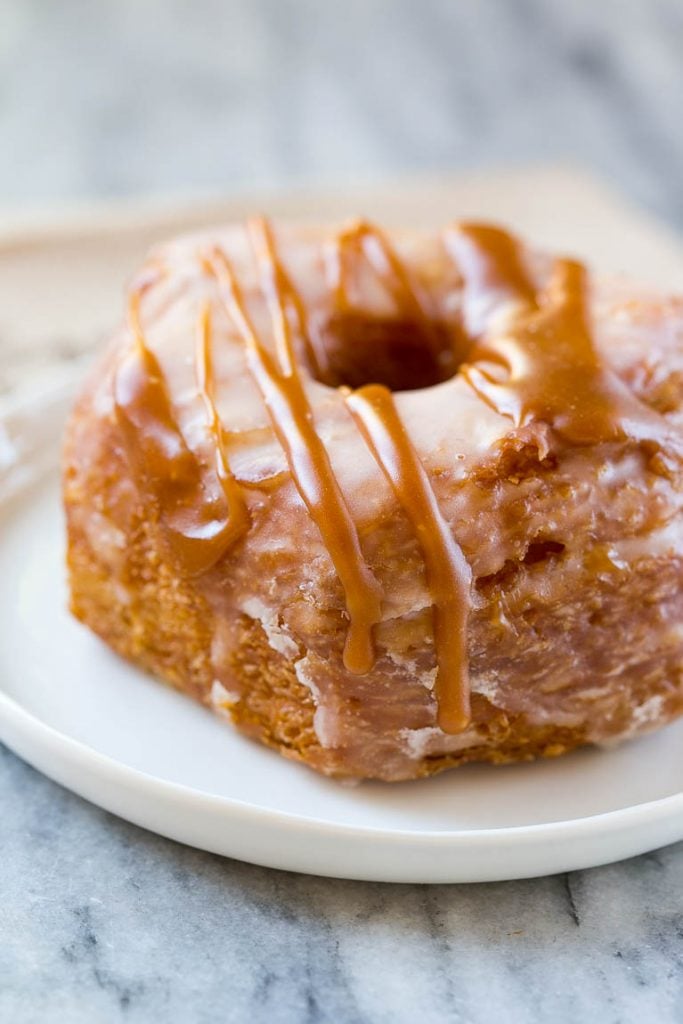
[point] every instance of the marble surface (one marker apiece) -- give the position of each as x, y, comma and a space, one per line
142, 96
100, 921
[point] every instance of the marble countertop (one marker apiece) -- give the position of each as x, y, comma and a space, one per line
103, 922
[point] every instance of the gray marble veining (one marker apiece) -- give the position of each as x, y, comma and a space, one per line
100, 921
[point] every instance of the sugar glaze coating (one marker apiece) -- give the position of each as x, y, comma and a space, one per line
409, 558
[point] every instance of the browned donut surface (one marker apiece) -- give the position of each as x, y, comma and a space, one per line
391, 503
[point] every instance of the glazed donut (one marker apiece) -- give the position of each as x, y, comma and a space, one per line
390, 503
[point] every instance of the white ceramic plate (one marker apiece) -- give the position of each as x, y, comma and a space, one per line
125, 742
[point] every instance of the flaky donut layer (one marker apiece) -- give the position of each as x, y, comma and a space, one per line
548, 446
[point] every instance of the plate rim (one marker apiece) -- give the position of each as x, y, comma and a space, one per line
505, 853
11, 708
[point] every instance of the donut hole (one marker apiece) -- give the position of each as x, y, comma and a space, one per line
402, 355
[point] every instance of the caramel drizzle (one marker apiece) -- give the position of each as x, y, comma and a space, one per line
284, 302
540, 362
366, 239
490, 262
197, 506
448, 574
238, 515
292, 419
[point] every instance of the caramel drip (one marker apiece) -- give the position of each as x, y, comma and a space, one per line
284, 302
238, 515
490, 261
365, 239
192, 502
448, 574
539, 361
292, 419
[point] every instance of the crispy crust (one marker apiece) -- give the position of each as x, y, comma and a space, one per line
166, 630
159, 621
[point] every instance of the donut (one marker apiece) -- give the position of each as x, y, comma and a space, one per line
388, 502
